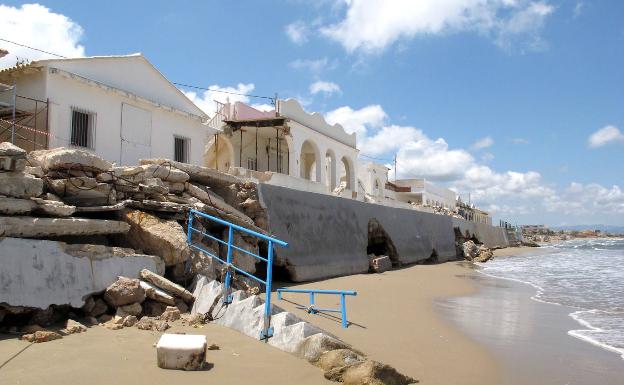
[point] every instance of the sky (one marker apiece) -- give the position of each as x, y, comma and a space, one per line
517, 104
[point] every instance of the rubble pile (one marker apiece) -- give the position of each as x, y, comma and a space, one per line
74, 208
476, 253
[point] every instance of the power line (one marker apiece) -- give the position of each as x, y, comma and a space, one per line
379, 159
177, 84
33, 48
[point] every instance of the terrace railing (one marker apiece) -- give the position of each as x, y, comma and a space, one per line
230, 268
312, 309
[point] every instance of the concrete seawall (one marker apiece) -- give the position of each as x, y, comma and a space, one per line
328, 235
490, 236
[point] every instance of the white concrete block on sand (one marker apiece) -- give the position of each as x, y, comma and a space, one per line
181, 351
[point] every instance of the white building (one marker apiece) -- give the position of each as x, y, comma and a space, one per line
372, 180
287, 146
120, 107
424, 193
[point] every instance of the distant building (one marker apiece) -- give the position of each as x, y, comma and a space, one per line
373, 178
120, 107
286, 146
424, 193
471, 213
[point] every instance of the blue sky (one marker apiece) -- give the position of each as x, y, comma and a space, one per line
496, 98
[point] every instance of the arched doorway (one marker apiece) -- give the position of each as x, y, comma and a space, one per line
380, 243
219, 153
346, 173
310, 168
377, 190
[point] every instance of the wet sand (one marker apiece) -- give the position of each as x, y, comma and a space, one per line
128, 356
394, 321
529, 337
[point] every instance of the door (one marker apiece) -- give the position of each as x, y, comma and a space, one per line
136, 134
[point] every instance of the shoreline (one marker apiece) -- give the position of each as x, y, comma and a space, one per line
508, 317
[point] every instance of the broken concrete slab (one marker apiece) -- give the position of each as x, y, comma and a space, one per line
157, 236
15, 206
379, 264
83, 191
181, 351
165, 172
157, 294
203, 175
20, 185
31, 227
9, 149
53, 208
69, 158
165, 284
38, 273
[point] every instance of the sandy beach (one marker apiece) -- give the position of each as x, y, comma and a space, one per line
394, 321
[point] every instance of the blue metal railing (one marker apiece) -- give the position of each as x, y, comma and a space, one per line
267, 330
313, 310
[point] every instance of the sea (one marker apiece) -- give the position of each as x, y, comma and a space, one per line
584, 274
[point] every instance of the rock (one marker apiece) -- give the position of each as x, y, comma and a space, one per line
194, 319
485, 254
368, 373
53, 208
91, 321
470, 249
153, 309
161, 237
41, 336
165, 172
11, 150
30, 329
88, 305
170, 314
15, 206
30, 227
241, 259
179, 351
149, 323
182, 306
166, 284
202, 175
154, 186
380, 264
130, 321
83, 191
69, 158
43, 317
175, 187
72, 327
124, 292
104, 318
158, 295
134, 309
34, 171
312, 347
99, 308
20, 185
337, 358
115, 323
213, 347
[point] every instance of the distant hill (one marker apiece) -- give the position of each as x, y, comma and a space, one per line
603, 228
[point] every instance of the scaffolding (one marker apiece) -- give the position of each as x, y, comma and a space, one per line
23, 120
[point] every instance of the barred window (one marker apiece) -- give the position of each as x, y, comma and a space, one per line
82, 128
181, 149
252, 164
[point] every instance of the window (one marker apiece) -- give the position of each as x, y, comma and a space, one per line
252, 164
181, 149
82, 128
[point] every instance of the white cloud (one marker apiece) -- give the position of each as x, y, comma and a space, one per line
483, 143
206, 100
371, 25
579, 7
520, 141
38, 27
297, 32
327, 88
604, 136
358, 121
312, 65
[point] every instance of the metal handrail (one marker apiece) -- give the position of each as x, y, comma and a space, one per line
267, 330
313, 310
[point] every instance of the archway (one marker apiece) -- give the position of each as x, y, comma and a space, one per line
346, 173
309, 162
219, 153
377, 190
330, 167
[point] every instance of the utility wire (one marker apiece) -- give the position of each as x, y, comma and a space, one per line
177, 84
